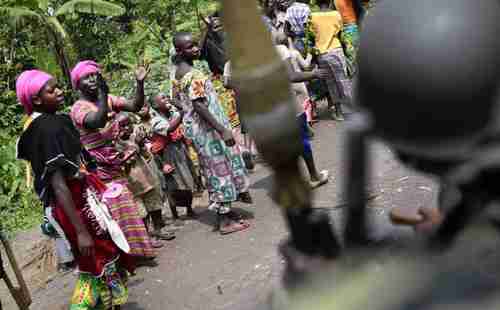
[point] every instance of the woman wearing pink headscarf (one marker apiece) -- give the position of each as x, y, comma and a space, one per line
94, 116
51, 144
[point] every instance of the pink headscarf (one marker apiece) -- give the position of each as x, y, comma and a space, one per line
82, 69
29, 84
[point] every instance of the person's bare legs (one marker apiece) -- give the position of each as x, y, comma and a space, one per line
157, 220
311, 167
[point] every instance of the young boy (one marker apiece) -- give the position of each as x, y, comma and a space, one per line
299, 89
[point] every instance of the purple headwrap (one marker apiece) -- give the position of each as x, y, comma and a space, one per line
82, 69
29, 84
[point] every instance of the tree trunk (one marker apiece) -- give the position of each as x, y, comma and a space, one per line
198, 15
61, 58
171, 20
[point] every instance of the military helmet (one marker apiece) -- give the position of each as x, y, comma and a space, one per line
429, 72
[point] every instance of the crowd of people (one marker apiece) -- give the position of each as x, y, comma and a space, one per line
106, 171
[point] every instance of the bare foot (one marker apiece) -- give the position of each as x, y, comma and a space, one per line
432, 219
423, 219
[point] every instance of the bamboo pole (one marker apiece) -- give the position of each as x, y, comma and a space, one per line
265, 99
265, 96
21, 295
269, 111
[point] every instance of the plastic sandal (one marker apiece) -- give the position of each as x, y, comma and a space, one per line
156, 244
168, 235
245, 198
234, 227
323, 180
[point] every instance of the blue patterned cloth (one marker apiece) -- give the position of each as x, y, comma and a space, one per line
268, 23
297, 16
304, 134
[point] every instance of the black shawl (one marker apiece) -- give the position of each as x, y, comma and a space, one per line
50, 143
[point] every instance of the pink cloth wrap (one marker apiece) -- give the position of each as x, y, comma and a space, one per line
29, 84
82, 69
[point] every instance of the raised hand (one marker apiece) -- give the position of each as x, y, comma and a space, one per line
102, 86
142, 72
216, 24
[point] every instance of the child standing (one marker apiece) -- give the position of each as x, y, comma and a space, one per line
143, 181
173, 156
299, 89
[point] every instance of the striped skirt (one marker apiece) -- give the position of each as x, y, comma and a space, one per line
125, 212
339, 84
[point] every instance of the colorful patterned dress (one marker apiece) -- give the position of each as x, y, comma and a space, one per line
227, 99
222, 166
109, 160
102, 293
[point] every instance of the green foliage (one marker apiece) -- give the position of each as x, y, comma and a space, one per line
120, 34
93, 36
17, 12
45, 14
94, 7
19, 206
20, 209
11, 113
123, 83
